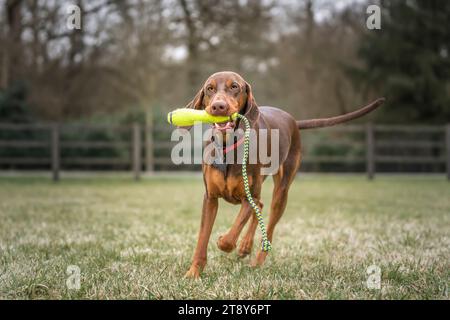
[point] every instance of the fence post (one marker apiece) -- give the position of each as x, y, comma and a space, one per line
55, 151
137, 148
447, 144
149, 160
370, 151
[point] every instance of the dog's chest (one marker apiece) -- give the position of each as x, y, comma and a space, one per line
229, 187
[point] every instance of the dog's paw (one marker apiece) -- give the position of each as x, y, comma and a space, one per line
242, 253
225, 245
259, 259
245, 248
192, 273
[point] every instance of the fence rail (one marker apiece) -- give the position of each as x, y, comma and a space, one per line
137, 148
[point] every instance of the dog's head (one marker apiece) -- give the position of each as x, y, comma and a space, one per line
223, 94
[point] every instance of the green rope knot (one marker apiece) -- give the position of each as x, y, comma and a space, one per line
265, 246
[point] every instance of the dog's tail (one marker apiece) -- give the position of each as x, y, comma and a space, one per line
327, 122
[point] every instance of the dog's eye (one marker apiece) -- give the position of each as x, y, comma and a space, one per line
210, 89
234, 86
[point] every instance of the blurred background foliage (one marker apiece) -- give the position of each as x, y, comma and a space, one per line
311, 58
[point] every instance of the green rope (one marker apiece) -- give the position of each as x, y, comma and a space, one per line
266, 246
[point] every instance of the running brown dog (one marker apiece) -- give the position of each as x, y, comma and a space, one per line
225, 93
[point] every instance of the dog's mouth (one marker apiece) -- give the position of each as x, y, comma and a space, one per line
224, 126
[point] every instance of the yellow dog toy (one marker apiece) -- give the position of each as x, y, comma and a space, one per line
185, 117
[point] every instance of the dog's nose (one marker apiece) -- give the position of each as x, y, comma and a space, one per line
219, 108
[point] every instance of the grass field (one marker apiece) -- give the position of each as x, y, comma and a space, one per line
135, 240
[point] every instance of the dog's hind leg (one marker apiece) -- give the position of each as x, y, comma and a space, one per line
282, 182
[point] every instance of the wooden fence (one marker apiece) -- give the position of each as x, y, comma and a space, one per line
370, 148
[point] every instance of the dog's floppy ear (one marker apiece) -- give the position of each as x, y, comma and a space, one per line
197, 102
251, 111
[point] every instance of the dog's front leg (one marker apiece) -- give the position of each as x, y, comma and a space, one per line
209, 212
227, 242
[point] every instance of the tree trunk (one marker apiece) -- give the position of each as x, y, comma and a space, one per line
192, 44
12, 52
